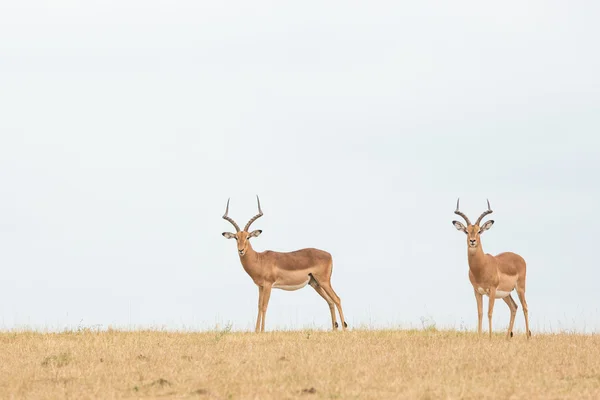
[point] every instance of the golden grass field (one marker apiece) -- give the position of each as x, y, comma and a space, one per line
360, 364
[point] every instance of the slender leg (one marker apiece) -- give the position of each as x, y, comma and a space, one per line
260, 299
513, 312
330, 302
336, 299
479, 298
521, 293
265, 304
491, 307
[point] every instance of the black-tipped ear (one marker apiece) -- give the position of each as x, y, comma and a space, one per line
486, 226
255, 233
459, 226
228, 235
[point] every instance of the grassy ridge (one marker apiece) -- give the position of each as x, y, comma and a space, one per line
302, 364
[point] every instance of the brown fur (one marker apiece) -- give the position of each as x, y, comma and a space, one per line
503, 272
288, 271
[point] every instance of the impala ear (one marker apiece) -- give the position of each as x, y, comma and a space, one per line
486, 226
229, 235
255, 233
459, 226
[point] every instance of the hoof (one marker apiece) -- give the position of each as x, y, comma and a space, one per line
345, 324
511, 334
529, 333
336, 325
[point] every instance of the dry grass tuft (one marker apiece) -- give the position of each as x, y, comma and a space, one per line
425, 364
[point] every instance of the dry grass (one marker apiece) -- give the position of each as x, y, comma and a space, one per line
302, 364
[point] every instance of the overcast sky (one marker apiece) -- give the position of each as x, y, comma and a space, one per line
126, 125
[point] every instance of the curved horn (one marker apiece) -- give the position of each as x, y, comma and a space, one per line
486, 212
460, 213
225, 217
257, 216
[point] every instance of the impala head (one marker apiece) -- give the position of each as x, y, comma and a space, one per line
242, 236
473, 231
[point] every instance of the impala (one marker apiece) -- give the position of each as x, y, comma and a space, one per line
494, 276
287, 271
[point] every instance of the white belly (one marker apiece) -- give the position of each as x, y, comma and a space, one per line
291, 287
499, 293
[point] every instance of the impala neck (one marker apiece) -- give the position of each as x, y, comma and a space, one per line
476, 258
250, 258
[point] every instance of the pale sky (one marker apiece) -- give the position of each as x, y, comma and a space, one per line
126, 125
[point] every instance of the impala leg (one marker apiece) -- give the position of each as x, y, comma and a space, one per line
330, 302
479, 298
521, 293
260, 299
513, 312
265, 303
491, 308
336, 299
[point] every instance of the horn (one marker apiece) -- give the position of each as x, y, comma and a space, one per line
257, 216
225, 217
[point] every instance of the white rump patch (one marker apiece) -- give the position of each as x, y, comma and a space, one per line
290, 287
